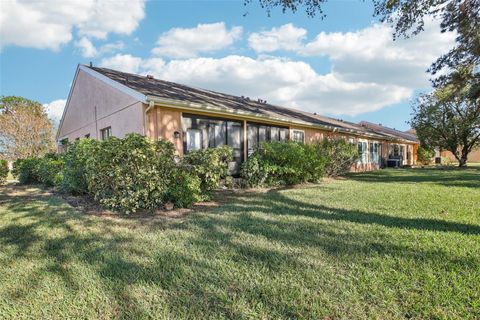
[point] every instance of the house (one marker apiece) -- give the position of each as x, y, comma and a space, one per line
104, 102
473, 156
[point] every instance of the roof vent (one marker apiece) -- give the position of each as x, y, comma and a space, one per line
149, 76
91, 64
315, 113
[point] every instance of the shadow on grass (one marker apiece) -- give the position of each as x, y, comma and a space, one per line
469, 177
195, 275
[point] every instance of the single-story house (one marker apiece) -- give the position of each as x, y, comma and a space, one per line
104, 102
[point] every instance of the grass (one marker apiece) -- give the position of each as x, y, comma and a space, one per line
390, 244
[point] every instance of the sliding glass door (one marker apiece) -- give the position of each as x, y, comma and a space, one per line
201, 132
258, 133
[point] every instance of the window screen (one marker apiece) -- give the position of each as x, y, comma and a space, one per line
298, 136
194, 139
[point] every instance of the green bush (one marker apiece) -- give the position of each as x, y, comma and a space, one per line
425, 155
283, 163
74, 173
26, 170
3, 171
339, 155
184, 190
49, 169
210, 165
130, 174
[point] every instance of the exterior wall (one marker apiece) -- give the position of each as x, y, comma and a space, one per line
473, 157
162, 122
94, 105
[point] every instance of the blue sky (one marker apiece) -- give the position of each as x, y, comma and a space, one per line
346, 66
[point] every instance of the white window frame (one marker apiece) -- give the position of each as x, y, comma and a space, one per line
363, 158
293, 135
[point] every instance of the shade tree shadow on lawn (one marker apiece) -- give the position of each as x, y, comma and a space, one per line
454, 177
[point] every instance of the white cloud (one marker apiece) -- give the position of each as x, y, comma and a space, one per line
370, 54
87, 49
280, 81
49, 24
188, 42
286, 37
54, 110
369, 70
124, 62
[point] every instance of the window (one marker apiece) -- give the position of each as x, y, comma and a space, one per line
194, 139
258, 133
362, 151
374, 152
201, 132
106, 133
298, 136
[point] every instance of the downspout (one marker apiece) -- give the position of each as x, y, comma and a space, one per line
151, 104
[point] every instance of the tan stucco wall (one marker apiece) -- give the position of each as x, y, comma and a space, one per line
113, 108
473, 156
162, 122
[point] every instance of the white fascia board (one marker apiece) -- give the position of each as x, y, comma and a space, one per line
117, 85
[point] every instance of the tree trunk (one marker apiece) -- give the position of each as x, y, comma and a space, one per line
463, 159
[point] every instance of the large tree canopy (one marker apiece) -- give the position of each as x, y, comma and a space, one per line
25, 129
408, 18
449, 118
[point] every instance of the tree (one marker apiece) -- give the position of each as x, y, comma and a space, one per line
449, 118
408, 18
25, 129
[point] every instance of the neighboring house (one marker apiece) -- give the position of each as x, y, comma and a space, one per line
473, 156
104, 102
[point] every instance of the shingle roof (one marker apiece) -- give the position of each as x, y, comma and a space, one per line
389, 131
174, 91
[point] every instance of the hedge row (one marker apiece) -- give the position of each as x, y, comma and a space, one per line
288, 163
135, 173
129, 174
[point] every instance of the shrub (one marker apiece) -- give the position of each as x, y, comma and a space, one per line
209, 165
26, 170
130, 174
74, 173
49, 169
283, 163
184, 190
3, 170
339, 155
425, 155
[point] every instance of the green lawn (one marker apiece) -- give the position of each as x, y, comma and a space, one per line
389, 244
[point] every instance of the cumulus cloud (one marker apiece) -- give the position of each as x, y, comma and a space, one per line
188, 42
369, 70
49, 24
281, 81
370, 54
286, 37
87, 49
123, 62
54, 110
